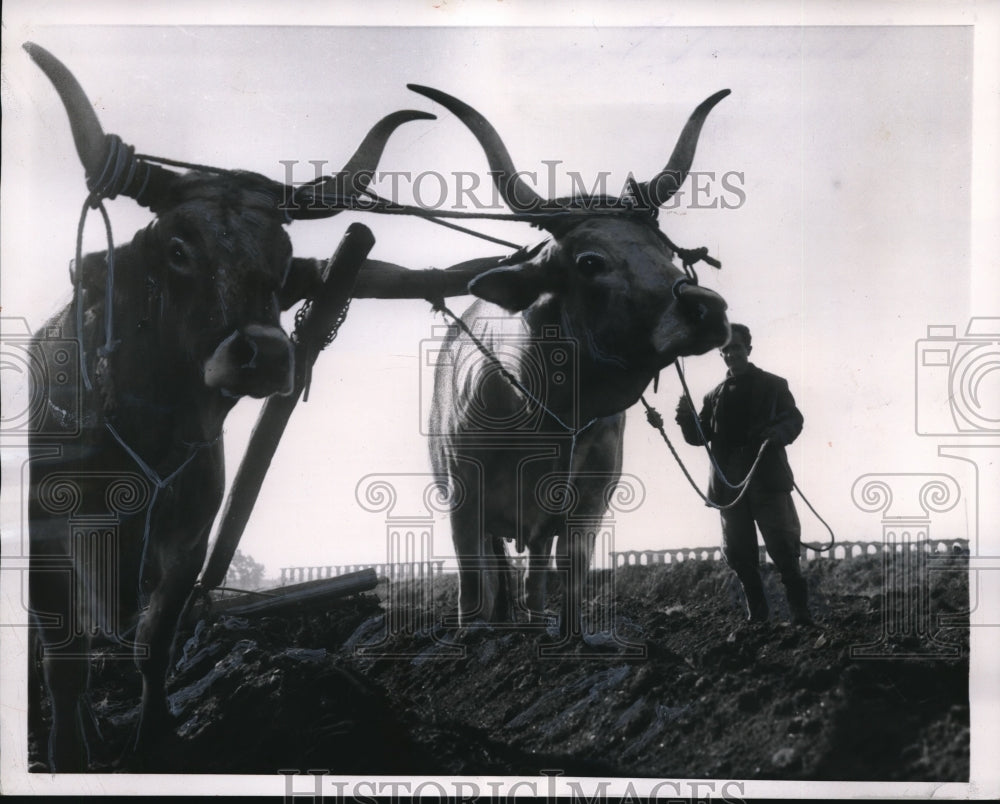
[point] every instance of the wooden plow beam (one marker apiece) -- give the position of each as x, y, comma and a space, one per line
297, 597
348, 274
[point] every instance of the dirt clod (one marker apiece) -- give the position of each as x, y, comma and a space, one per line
682, 688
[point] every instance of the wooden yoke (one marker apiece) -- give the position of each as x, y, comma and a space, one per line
384, 280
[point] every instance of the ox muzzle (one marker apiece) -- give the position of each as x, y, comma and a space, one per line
254, 361
695, 323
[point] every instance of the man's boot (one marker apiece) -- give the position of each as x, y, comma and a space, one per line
798, 600
753, 588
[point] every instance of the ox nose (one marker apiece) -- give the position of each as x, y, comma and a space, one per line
255, 361
705, 313
700, 303
694, 324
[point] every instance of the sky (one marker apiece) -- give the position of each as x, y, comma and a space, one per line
844, 228
867, 214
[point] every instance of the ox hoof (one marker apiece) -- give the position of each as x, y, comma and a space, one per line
545, 618
602, 642
579, 644
750, 629
152, 735
548, 637
802, 619
473, 632
153, 754
69, 759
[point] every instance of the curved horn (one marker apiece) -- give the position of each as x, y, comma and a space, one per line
516, 192
110, 166
366, 158
668, 181
88, 136
356, 175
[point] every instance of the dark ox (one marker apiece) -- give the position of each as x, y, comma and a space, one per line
584, 322
127, 474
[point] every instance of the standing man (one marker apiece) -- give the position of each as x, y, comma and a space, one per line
751, 407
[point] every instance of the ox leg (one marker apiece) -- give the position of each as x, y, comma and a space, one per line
573, 554
579, 563
485, 579
155, 636
474, 551
503, 596
67, 674
535, 581
58, 639
471, 589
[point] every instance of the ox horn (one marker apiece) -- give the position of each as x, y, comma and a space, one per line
88, 136
367, 157
111, 167
355, 176
668, 181
516, 192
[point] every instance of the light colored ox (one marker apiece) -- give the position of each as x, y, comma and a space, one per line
584, 321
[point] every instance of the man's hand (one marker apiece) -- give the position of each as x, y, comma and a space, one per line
775, 436
687, 420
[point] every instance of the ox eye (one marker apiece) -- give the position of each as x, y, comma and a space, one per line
179, 255
590, 263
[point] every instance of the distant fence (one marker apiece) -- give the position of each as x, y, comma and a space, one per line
396, 572
632, 558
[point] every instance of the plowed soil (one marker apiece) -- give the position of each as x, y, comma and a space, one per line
671, 684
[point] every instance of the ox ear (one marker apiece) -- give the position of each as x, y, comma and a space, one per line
514, 287
303, 279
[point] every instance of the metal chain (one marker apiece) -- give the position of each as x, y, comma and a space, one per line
310, 351
329, 337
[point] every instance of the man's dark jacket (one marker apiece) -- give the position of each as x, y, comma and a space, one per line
766, 410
